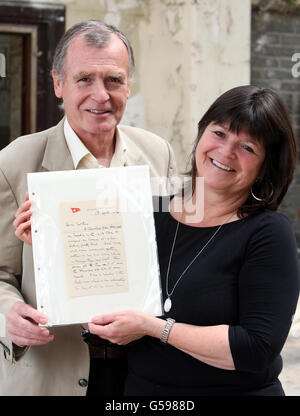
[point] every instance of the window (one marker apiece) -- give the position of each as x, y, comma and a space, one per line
29, 33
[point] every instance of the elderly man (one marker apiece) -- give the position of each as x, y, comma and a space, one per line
92, 68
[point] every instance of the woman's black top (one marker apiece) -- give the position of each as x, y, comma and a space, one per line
248, 278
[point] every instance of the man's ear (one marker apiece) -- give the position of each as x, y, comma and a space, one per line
57, 84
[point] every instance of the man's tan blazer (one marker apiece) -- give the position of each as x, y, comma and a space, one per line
58, 367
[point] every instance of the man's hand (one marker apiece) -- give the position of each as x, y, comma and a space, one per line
23, 326
22, 221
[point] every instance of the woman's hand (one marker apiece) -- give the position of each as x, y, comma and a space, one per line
124, 327
208, 344
22, 221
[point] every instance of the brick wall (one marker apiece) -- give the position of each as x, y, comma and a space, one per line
275, 39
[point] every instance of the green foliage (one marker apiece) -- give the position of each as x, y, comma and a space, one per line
290, 1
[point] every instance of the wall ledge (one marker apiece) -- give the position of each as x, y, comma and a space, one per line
279, 6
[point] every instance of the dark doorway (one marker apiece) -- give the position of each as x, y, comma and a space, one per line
29, 33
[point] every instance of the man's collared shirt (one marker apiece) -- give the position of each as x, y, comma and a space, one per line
82, 157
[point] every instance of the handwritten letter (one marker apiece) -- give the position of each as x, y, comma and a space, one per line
94, 247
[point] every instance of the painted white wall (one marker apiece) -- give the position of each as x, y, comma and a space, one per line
189, 53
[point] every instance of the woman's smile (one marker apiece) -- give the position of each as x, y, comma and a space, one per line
221, 165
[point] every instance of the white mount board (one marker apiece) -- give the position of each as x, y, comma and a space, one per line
50, 192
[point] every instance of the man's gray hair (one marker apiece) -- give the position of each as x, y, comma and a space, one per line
96, 33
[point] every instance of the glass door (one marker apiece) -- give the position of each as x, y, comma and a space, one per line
18, 87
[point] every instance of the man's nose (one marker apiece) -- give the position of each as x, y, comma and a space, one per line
100, 93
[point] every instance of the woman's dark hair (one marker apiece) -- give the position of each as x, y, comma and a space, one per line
261, 113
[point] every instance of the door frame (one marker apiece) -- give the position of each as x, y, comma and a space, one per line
29, 90
45, 23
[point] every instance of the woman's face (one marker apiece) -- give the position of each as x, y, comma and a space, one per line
228, 161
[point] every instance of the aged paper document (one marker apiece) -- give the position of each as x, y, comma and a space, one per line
94, 247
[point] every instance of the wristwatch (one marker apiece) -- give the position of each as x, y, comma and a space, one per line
166, 330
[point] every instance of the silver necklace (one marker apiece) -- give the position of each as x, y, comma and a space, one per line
168, 302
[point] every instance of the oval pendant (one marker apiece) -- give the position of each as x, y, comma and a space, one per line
167, 305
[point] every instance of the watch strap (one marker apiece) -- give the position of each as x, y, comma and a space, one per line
166, 330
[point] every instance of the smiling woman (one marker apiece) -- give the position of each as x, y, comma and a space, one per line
255, 121
230, 277
229, 162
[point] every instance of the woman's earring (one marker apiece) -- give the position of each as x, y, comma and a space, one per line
255, 197
262, 199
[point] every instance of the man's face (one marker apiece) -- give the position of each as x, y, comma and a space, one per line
95, 88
